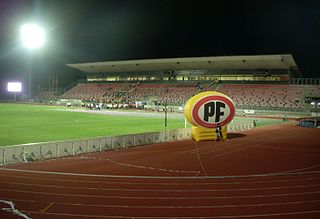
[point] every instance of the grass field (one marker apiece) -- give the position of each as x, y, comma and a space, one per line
22, 123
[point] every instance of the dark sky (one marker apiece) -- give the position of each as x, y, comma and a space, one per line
92, 30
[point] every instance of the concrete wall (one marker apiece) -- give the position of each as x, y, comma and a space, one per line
48, 150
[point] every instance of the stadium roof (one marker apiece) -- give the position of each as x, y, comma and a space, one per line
254, 62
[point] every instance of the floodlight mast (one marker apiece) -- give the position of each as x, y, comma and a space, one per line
33, 37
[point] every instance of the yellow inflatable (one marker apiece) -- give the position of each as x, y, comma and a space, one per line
205, 134
206, 111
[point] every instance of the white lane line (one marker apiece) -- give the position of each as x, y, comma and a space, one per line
301, 169
199, 159
163, 177
161, 197
176, 206
184, 217
162, 190
140, 166
161, 183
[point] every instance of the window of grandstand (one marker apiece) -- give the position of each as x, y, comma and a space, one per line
190, 76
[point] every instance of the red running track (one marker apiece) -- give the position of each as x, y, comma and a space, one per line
270, 172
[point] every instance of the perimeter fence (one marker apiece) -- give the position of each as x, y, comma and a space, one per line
48, 150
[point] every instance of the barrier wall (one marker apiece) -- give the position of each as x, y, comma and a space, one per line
48, 150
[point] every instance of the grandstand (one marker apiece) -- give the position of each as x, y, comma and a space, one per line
80, 158
285, 96
266, 82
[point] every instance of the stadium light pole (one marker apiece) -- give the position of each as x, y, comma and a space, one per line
33, 37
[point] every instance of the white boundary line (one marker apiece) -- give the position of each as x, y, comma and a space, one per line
163, 177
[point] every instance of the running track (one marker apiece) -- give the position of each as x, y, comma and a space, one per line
270, 172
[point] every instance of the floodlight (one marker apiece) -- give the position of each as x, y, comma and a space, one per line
32, 36
14, 87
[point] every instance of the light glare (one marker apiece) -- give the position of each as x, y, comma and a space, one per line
14, 86
32, 36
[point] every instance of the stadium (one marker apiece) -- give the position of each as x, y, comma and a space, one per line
164, 109
116, 145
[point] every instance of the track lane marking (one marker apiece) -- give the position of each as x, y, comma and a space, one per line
186, 217
199, 159
162, 197
47, 208
162, 183
196, 173
272, 174
165, 190
179, 206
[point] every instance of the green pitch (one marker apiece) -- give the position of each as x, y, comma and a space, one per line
21, 123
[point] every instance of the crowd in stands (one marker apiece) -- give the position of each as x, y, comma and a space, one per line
256, 95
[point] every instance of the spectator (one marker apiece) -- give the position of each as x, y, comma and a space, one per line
219, 133
254, 123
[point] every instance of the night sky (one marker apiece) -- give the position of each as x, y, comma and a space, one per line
91, 30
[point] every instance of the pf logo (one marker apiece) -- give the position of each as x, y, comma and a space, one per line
209, 109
